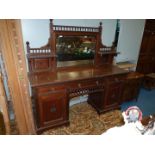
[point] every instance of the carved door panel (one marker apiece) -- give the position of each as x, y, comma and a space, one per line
131, 89
53, 108
113, 96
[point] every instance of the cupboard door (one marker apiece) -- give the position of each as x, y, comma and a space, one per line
53, 108
131, 89
113, 96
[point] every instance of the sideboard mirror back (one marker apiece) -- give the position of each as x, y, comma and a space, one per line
70, 46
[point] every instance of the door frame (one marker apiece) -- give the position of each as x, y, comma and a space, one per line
14, 58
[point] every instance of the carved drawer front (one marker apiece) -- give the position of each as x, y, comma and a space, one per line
52, 88
85, 83
115, 79
85, 87
53, 108
97, 100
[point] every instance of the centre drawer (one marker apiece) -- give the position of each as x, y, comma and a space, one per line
116, 79
85, 83
52, 88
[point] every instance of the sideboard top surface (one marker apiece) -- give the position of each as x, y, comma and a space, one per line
79, 73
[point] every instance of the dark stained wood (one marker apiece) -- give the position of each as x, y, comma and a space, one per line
47, 54
149, 81
40, 59
53, 87
114, 93
52, 107
70, 74
54, 90
146, 61
132, 86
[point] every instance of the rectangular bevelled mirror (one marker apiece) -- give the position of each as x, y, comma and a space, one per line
75, 50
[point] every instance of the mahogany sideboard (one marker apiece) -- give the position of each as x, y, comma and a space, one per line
53, 86
52, 92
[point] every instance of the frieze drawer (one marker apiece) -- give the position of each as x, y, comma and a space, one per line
85, 84
115, 79
52, 88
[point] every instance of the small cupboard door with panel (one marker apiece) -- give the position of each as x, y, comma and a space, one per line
113, 93
52, 108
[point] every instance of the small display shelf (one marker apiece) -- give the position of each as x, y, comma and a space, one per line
109, 53
127, 65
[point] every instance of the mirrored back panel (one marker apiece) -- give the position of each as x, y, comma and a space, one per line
75, 50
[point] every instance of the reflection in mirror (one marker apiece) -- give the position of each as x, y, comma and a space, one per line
75, 50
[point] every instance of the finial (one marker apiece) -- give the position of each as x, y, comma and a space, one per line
51, 26
28, 46
100, 27
51, 21
100, 23
27, 43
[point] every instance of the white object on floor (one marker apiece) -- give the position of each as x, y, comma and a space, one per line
126, 129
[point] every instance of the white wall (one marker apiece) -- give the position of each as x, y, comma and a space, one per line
131, 32
37, 31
